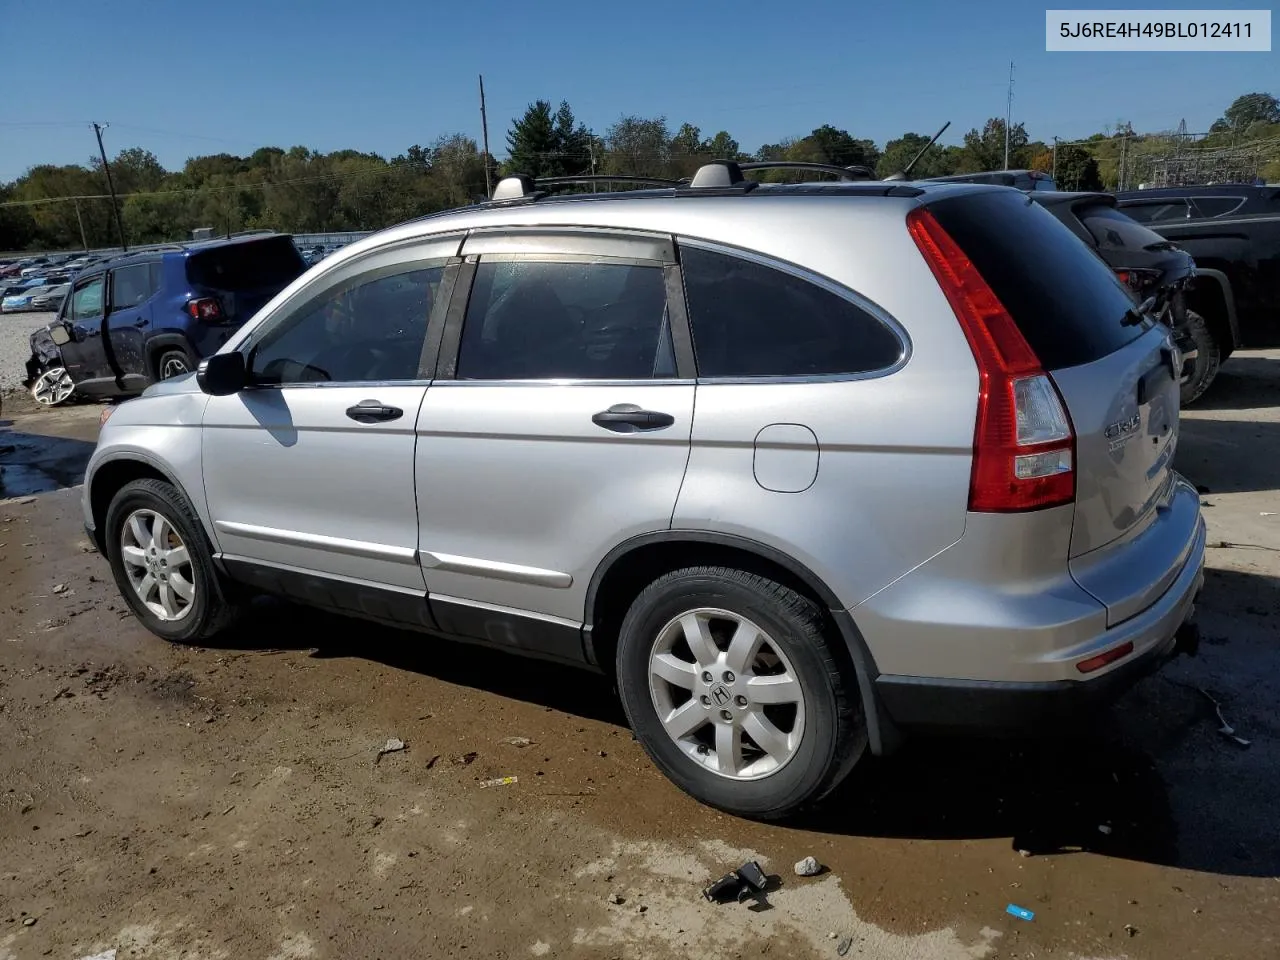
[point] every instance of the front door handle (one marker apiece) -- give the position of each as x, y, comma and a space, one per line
373, 411
628, 418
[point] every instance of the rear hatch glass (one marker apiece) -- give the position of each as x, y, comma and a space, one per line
246, 274
1115, 372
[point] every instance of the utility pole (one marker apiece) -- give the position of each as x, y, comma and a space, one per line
111, 188
484, 127
1008, 117
80, 220
1055, 160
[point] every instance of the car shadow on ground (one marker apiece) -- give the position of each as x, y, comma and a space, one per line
1243, 383
31, 463
1229, 456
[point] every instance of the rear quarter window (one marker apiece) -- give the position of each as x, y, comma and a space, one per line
1066, 302
753, 320
250, 265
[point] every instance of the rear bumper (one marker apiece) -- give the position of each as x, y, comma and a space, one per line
1157, 634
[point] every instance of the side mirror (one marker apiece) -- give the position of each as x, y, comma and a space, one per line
59, 334
222, 374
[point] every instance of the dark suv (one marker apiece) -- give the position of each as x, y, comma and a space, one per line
151, 315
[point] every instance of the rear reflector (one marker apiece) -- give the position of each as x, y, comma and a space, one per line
1102, 659
1023, 442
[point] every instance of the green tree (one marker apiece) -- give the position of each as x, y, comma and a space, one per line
938, 161
1249, 109
532, 144
573, 143
721, 147
687, 142
1077, 168
984, 150
639, 147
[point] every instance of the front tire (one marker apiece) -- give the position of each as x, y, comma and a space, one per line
730, 683
173, 363
1208, 359
163, 565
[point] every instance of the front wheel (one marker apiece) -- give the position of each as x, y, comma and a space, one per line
162, 563
732, 688
1199, 372
173, 363
52, 387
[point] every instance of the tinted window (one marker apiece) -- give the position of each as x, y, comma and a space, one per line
130, 286
1217, 206
540, 320
750, 320
370, 329
248, 265
86, 302
1116, 230
1064, 299
1157, 211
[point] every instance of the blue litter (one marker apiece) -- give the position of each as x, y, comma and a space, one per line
1022, 913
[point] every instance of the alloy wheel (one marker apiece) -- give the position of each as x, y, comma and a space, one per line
726, 694
52, 387
158, 565
173, 367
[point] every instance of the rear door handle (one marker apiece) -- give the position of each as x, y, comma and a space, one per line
373, 411
628, 418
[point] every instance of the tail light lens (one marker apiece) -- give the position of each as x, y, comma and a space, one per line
1024, 443
1139, 281
206, 308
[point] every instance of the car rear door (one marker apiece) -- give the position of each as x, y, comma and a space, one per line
557, 427
128, 323
309, 471
1118, 375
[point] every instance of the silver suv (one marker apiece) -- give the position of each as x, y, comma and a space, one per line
804, 466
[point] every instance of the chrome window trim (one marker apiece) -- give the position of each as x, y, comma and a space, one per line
589, 240
564, 382
826, 283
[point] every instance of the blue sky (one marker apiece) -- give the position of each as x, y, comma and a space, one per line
185, 78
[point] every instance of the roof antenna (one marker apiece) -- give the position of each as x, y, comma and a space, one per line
902, 174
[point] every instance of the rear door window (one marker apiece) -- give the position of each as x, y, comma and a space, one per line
249, 265
1157, 211
1217, 206
1063, 297
753, 320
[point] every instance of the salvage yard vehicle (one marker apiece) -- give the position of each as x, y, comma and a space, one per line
1233, 231
137, 319
803, 466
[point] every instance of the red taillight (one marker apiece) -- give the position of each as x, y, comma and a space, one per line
206, 308
1023, 442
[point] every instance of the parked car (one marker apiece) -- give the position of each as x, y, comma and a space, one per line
927, 480
1157, 271
50, 297
19, 300
144, 317
1018, 179
1233, 231
47, 378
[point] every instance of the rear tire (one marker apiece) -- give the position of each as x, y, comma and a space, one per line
1208, 358
163, 565
712, 737
173, 363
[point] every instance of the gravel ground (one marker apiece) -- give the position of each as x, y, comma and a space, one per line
15, 333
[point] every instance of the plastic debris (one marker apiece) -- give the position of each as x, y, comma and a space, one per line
1226, 729
517, 741
1022, 913
808, 867
393, 745
59, 588
746, 882
29, 922
499, 782
845, 944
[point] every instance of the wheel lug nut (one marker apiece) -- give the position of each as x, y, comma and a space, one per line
740, 701
706, 701
726, 715
728, 676
706, 676
702, 749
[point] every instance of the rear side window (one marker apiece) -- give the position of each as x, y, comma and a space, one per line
549, 320
1217, 206
751, 320
131, 286
1065, 300
251, 265
1157, 211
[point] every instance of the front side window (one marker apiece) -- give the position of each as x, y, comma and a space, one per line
130, 286
578, 320
370, 329
751, 320
86, 302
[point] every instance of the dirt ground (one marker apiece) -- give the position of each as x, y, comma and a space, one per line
183, 802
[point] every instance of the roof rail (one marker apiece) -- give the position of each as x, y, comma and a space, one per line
854, 172
519, 185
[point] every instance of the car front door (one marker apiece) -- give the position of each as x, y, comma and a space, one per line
557, 426
85, 355
128, 323
309, 470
